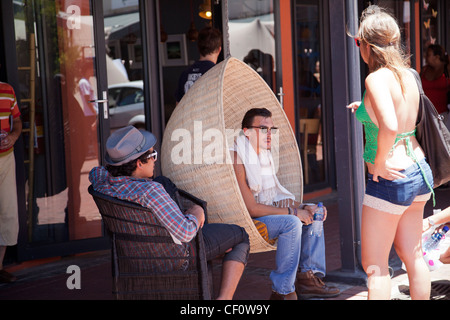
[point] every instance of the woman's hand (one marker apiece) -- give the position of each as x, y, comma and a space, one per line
387, 172
354, 106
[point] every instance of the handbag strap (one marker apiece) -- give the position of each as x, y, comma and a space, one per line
418, 80
421, 106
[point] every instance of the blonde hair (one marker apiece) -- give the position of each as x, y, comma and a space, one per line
381, 31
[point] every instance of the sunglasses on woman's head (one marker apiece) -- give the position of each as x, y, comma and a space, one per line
358, 42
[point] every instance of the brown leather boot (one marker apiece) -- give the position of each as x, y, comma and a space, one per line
310, 286
289, 296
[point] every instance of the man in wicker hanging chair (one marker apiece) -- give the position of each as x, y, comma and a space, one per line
300, 257
131, 158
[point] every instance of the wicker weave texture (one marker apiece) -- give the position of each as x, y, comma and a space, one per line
201, 131
146, 263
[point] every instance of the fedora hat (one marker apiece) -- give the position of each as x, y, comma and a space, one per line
127, 144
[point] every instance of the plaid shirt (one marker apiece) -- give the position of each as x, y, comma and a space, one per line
148, 194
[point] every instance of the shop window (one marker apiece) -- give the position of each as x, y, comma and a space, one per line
309, 104
429, 25
251, 30
427, 16
56, 40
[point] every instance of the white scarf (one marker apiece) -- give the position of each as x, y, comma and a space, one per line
261, 177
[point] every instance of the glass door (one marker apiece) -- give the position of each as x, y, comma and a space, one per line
59, 77
309, 93
252, 38
124, 63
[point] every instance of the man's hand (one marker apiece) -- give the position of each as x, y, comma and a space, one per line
12, 137
306, 215
197, 212
9, 141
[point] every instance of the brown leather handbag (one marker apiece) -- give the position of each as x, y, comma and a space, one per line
433, 136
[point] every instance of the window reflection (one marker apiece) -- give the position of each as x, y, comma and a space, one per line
309, 90
61, 141
252, 36
124, 58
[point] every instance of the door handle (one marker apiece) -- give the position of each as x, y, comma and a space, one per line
105, 104
281, 95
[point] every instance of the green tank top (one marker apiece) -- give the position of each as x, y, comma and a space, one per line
371, 133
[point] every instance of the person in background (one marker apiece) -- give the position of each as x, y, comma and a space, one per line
209, 47
441, 218
436, 84
10, 130
399, 178
131, 158
435, 78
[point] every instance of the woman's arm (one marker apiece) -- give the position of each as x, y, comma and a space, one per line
437, 219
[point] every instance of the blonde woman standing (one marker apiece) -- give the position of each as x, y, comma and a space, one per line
399, 180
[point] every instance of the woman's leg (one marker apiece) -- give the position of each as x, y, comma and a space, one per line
408, 244
377, 235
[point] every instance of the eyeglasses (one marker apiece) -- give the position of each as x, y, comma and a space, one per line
358, 42
153, 155
264, 130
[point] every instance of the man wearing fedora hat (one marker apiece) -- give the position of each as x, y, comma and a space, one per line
130, 158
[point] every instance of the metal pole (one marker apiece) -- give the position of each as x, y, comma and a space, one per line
357, 146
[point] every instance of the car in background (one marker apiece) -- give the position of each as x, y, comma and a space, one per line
126, 104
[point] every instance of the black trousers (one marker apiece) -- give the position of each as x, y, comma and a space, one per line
218, 237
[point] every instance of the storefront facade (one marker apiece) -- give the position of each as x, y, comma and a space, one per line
100, 65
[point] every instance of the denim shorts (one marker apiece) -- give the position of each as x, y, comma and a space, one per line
395, 196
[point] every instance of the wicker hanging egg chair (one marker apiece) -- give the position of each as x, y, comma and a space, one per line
195, 148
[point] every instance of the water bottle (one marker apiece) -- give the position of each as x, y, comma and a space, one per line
433, 242
317, 225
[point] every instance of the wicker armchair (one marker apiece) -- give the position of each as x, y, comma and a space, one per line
146, 263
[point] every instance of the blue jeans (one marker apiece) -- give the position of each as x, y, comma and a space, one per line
296, 249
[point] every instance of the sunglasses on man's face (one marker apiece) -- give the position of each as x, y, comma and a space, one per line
264, 129
153, 155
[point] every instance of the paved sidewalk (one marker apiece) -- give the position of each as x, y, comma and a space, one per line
47, 279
